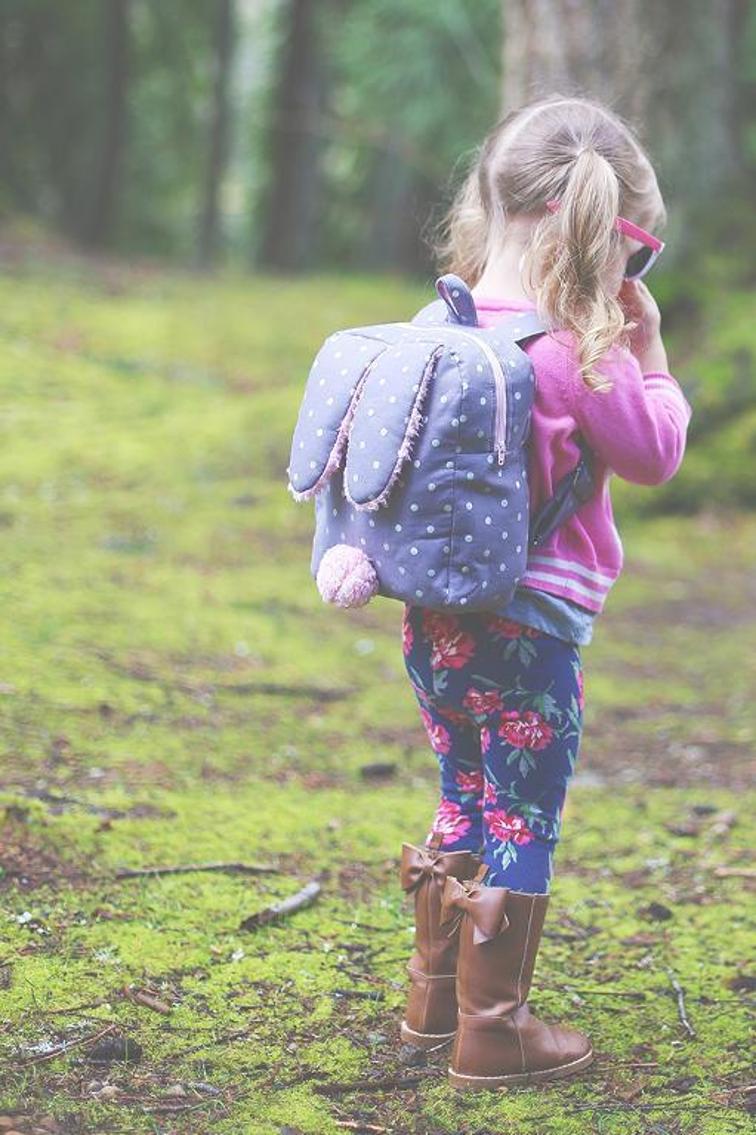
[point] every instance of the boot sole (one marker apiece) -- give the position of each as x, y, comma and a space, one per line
460, 1081
424, 1040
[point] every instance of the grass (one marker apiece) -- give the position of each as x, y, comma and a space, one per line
173, 691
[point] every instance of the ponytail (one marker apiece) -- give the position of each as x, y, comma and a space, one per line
571, 256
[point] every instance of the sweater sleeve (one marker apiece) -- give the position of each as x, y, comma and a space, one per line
639, 427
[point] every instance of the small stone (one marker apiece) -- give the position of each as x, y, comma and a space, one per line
113, 1048
202, 1086
378, 770
656, 911
410, 1056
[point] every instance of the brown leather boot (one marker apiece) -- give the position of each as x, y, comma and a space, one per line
431, 1014
499, 1042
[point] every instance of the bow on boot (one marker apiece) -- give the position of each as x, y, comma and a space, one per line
485, 905
421, 863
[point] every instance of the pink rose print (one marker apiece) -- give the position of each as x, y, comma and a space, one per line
454, 715
450, 821
470, 781
489, 793
452, 653
482, 701
485, 739
525, 731
581, 692
451, 648
508, 628
437, 734
407, 636
507, 826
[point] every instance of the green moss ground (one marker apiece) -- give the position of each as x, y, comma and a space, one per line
172, 690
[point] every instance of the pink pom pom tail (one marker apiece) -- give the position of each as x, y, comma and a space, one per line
346, 577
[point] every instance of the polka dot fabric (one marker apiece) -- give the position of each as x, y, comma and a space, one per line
396, 442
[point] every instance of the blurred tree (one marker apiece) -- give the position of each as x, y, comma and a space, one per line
100, 219
576, 46
218, 143
50, 85
354, 118
295, 147
414, 89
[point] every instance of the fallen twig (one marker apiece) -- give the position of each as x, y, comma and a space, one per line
76, 1008
633, 1063
69, 1044
75, 802
190, 868
735, 872
302, 898
365, 925
142, 997
635, 995
355, 1125
681, 1003
367, 994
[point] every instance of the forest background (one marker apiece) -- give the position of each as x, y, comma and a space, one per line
193, 194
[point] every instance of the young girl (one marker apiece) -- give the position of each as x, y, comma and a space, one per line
558, 213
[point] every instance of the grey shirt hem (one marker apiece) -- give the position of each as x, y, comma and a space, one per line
549, 613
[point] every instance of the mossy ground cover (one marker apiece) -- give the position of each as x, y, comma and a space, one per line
173, 692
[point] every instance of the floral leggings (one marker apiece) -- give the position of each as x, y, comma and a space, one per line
502, 704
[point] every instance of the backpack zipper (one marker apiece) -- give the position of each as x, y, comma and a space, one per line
500, 428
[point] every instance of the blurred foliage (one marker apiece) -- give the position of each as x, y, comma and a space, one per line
427, 99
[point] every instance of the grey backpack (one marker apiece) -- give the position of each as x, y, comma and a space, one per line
411, 438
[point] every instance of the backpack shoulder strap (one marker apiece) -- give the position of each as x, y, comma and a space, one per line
519, 326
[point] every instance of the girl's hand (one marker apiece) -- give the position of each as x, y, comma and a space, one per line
645, 340
641, 307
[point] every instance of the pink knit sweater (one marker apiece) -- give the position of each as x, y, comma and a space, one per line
637, 430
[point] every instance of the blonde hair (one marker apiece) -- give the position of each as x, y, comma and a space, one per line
577, 150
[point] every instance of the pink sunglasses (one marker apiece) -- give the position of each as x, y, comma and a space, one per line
640, 262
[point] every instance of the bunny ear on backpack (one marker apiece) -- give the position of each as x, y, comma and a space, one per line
332, 392
363, 395
387, 420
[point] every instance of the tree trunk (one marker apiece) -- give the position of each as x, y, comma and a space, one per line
209, 232
673, 79
98, 228
288, 240
390, 184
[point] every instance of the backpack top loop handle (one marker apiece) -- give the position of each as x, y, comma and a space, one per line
458, 298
